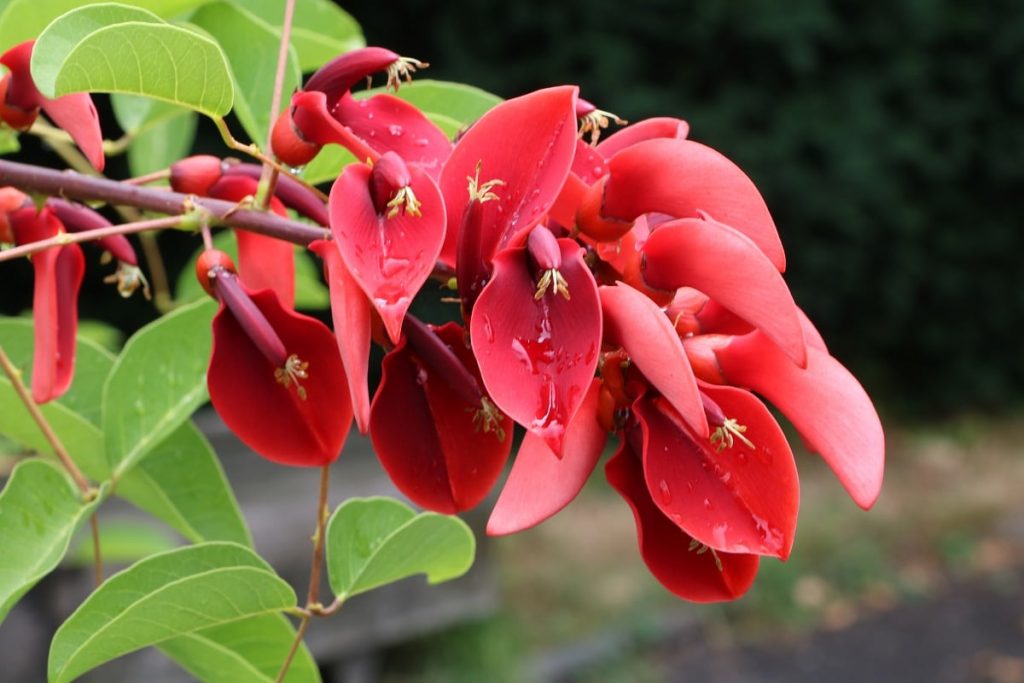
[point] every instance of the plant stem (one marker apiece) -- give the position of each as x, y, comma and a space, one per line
268, 180
71, 185
97, 556
157, 272
89, 235
303, 626
14, 375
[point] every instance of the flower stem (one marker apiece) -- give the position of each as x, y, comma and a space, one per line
65, 238
268, 180
97, 556
303, 626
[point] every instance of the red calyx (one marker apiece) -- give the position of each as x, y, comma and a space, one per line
197, 174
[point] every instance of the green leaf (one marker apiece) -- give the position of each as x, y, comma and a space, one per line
40, 509
456, 101
320, 29
9, 143
327, 164
116, 48
162, 132
375, 541
156, 383
21, 20
122, 541
181, 483
164, 597
310, 291
251, 46
247, 651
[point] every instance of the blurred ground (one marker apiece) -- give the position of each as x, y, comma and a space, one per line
927, 586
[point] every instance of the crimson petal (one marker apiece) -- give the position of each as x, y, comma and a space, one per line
76, 114
824, 402
727, 266
268, 417
425, 436
741, 500
392, 257
58, 276
665, 547
543, 126
682, 177
540, 483
635, 323
350, 311
537, 356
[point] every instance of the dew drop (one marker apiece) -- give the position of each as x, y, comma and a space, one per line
597, 170
396, 130
421, 142
488, 330
707, 504
665, 492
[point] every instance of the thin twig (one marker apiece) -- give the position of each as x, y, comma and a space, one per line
65, 238
268, 179
157, 272
97, 555
303, 625
163, 174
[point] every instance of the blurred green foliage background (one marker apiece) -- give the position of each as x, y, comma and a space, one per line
887, 138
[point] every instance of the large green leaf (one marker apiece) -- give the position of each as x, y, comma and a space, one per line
456, 101
164, 597
310, 291
39, 511
181, 483
122, 541
327, 164
320, 29
375, 541
161, 132
156, 383
247, 651
251, 46
21, 20
117, 48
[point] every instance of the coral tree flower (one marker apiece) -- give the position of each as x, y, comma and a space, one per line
20, 102
275, 376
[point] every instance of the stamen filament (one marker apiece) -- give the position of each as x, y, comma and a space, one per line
724, 435
552, 278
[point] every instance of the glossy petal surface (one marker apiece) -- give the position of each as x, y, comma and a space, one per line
540, 483
76, 114
648, 129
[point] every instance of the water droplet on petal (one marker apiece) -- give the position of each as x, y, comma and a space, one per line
396, 130
665, 492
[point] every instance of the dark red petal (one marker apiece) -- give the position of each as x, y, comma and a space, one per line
388, 124
533, 170
263, 262
291, 192
76, 114
824, 402
739, 500
540, 483
79, 217
337, 76
682, 177
727, 266
648, 129
268, 417
350, 311
390, 258
635, 323
665, 547
21, 90
538, 356
425, 436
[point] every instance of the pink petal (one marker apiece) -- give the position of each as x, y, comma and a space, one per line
58, 276
268, 417
665, 547
390, 258
823, 401
648, 129
350, 312
588, 163
543, 126
76, 114
538, 356
739, 500
635, 323
727, 266
425, 436
682, 177
540, 483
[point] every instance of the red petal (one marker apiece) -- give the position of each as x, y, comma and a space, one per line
588, 163
738, 500
540, 483
58, 276
425, 436
263, 262
388, 124
648, 129
538, 356
76, 114
390, 258
682, 177
563, 210
310, 117
267, 416
665, 547
811, 335
350, 311
543, 126
635, 323
824, 402
727, 266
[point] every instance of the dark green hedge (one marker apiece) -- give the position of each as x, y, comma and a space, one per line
887, 138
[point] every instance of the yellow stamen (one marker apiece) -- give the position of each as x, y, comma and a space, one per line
723, 435
552, 278
128, 278
595, 122
294, 369
402, 69
488, 419
696, 545
482, 193
404, 201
